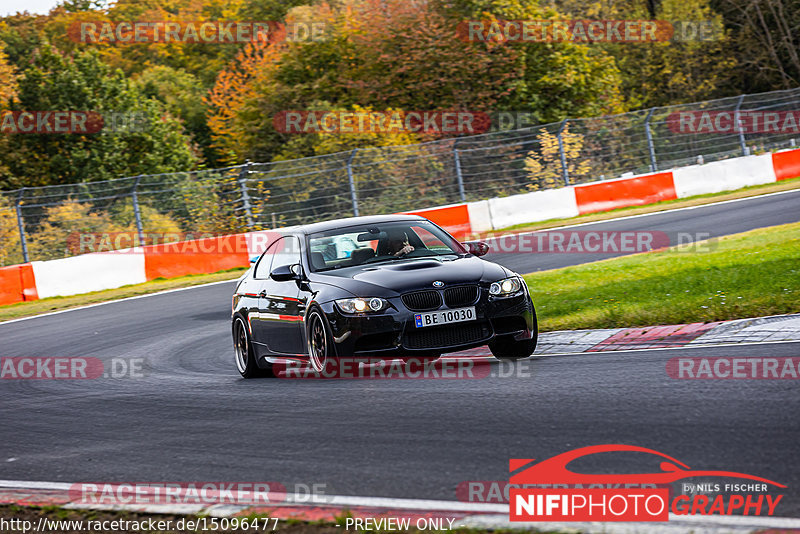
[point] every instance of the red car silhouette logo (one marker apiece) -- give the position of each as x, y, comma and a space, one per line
554, 470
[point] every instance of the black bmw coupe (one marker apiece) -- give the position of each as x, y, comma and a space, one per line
386, 287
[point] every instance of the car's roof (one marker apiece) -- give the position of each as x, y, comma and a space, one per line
351, 221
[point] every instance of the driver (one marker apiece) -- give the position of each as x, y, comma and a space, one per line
398, 242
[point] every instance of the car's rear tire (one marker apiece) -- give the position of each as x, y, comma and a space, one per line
244, 353
507, 348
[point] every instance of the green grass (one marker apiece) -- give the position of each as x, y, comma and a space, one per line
752, 274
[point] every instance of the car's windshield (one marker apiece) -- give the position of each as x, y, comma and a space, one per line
375, 243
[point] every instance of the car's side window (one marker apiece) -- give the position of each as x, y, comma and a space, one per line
263, 266
286, 253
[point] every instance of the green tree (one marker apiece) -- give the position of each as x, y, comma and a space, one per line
684, 69
21, 34
766, 38
182, 94
147, 140
553, 80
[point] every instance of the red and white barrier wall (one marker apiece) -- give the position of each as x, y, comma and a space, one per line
107, 270
724, 175
17, 284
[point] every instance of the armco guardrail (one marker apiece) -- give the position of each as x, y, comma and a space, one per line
97, 271
390, 179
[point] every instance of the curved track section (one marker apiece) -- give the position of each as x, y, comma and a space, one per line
191, 418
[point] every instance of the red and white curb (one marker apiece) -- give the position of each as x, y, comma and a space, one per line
775, 328
453, 514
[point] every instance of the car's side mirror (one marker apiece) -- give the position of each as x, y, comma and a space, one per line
284, 273
254, 259
478, 248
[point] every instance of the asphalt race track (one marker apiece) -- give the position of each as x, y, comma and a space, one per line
191, 417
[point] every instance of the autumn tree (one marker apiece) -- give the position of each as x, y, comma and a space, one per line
10, 251
58, 234
8, 79
230, 116
543, 165
394, 54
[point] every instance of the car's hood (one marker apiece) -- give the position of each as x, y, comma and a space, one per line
392, 278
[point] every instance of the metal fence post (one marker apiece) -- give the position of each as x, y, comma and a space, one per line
248, 209
650, 147
353, 196
742, 143
22, 240
459, 177
564, 171
137, 214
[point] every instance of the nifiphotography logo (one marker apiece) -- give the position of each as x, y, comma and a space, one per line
572, 496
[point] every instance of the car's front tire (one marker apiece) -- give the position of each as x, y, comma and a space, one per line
320, 341
244, 353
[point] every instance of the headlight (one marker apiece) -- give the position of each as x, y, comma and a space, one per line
359, 305
507, 286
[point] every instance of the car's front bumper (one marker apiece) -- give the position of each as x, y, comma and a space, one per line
393, 333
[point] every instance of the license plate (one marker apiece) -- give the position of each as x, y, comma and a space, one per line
444, 317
